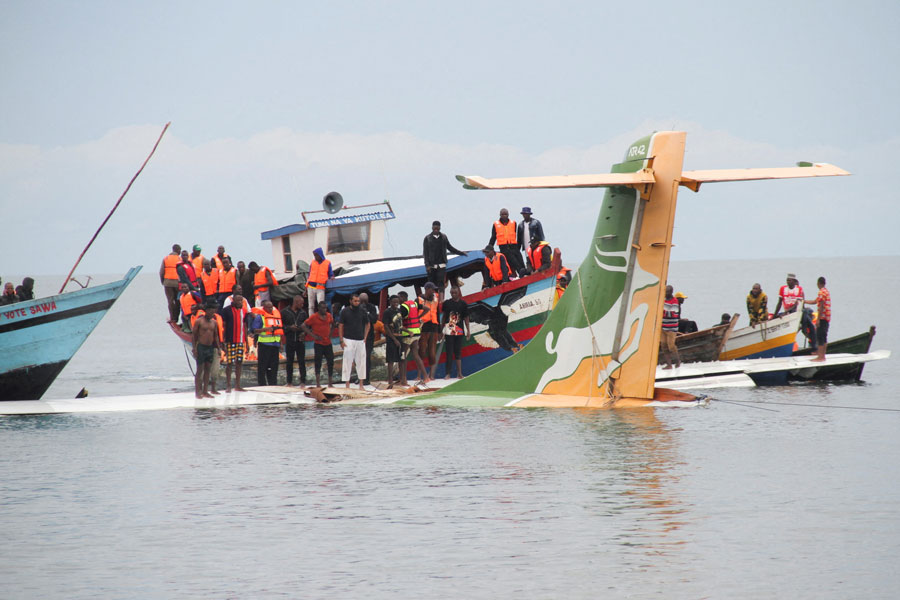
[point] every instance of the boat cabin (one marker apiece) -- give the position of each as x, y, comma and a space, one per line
346, 234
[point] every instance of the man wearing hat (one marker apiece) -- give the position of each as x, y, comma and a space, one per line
684, 325
790, 296
197, 258
529, 229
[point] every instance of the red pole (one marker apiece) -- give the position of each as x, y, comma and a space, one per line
83, 252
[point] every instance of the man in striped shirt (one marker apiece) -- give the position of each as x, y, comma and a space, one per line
823, 306
671, 316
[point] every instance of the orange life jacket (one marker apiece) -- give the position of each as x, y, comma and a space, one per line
210, 281
534, 255
432, 315
271, 320
227, 280
187, 301
318, 274
261, 280
493, 267
170, 262
217, 262
506, 234
198, 263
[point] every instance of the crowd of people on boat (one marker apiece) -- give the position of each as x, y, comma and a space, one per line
791, 298
202, 292
17, 293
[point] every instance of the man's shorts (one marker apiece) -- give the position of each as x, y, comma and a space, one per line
392, 351
205, 353
821, 332
234, 353
430, 327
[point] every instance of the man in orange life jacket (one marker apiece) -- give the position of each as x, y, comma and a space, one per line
431, 329
168, 277
263, 281
189, 301
197, 258
219, 258
539, 256
209, 277
320, 272
268, 329
496, 269
503, 232
227, 281
412, 311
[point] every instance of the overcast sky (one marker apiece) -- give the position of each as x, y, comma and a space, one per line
274, 104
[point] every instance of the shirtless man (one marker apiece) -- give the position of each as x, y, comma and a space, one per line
206, 345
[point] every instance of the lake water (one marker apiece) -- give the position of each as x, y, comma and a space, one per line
787, 492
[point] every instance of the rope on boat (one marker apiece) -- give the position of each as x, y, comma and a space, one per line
188, 358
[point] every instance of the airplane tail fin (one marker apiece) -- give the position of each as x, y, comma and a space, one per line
600, 344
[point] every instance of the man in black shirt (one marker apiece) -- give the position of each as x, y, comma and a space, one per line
434, 252
292, 318
370, 339
393, 327
455, 322
353, 329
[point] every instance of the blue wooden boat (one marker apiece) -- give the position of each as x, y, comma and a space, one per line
39, 337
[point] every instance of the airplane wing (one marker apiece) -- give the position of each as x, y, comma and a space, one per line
474, 182
693, 179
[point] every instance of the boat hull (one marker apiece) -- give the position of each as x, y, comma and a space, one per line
39, 337
774, 338
858, 344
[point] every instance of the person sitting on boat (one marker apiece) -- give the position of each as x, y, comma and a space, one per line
726, 320
168, 277
540, 255
684, 325
790, 296
504, 233
823, 306
189, 302
529, 229
263, 281
496, 268
434, 252
187, 276
671, 314
9, 294
757, 305
320, 272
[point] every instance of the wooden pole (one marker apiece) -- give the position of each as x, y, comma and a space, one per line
96, 233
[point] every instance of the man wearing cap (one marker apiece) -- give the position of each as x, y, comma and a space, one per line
197, 258
434, 253
504, 233
684, 325
790, 296
529, 229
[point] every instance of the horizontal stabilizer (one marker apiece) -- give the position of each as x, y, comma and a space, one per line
693, 179
639, 178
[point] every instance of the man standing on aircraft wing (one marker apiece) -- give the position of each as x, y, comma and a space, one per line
671, 314
434, 253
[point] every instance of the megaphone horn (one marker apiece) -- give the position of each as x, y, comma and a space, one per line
332, 202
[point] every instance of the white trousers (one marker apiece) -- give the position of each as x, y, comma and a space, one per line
354, 353
313, 297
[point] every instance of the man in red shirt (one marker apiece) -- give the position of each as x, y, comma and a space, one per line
823, 305
319, 327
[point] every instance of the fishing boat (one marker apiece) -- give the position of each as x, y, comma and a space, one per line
704, 345
768, 339
857, 344
39, 337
